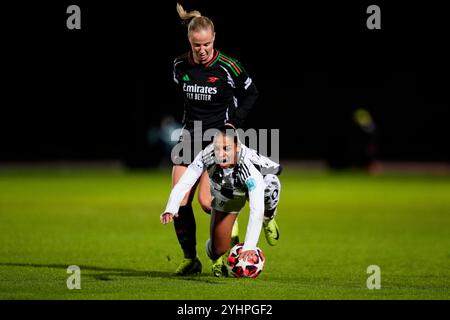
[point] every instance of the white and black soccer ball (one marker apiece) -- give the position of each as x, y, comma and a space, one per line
245, 268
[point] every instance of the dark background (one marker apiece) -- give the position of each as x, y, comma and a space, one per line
94, 93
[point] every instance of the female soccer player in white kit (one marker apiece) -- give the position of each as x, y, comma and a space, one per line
237, 173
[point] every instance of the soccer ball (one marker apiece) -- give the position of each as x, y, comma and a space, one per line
245, 268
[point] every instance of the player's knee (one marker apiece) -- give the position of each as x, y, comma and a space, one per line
206, 208
205, 203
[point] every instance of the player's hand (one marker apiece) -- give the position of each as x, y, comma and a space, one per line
166, 217
249, 255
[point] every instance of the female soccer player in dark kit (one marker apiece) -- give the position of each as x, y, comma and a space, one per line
216, 90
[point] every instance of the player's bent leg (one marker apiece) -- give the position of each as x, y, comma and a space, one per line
221, 226
219, 243
218, 267
234, 234
204, 193
234, 241
271, 199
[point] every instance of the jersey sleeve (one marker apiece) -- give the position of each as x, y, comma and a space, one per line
243, 87
241, 80
176, 70
255, 185
187, 180
176, 77
265, 164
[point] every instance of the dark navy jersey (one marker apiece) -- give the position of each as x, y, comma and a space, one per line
215, 93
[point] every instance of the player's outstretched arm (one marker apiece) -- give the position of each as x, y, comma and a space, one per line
255, 186
186, 182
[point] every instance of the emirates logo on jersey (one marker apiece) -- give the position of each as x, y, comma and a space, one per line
213, 79
200, 93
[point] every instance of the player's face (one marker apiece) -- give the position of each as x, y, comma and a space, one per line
202, 45
225, 151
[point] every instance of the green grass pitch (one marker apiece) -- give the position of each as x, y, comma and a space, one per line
333, 226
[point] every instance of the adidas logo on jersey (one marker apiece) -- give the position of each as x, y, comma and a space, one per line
213, 79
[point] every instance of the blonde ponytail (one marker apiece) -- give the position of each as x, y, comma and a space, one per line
185, 15
194, 19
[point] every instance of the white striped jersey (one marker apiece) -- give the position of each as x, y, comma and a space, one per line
244, 179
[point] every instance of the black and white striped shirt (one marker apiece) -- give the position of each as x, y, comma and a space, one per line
246, 177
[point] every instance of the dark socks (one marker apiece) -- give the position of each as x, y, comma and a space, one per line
185, 229
269, 214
